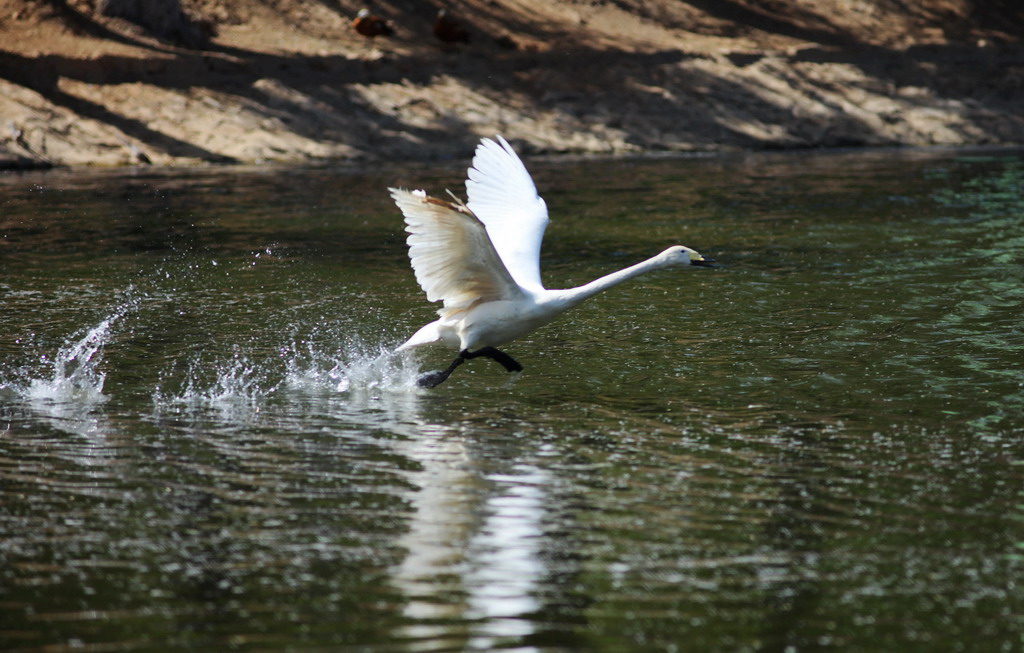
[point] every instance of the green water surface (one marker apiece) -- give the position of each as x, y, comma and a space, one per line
817, 446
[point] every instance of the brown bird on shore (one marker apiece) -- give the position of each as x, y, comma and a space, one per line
449, 30
371, 25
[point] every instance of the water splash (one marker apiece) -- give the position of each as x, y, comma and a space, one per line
356, 368
237, 385
242, 385
77, 376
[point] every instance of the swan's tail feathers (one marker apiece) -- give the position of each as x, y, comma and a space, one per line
430, 334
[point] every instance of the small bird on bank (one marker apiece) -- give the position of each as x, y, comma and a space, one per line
371, 25
449, 30
482, 259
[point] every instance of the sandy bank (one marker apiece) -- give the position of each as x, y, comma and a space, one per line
285, 80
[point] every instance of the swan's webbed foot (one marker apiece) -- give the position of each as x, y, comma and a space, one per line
434, 379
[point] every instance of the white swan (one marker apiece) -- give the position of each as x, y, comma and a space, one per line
482, 259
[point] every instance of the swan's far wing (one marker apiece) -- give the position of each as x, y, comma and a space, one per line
502, 195
451, 253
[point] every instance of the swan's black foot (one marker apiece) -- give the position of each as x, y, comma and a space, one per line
510, 364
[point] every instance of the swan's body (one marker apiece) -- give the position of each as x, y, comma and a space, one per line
482, 259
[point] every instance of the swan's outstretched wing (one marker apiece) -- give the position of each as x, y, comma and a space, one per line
502, 194
451, 254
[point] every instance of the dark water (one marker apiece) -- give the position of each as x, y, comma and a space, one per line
816, 447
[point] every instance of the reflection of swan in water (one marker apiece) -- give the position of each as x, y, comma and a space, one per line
505, 567
469, 536
472, 539
441, 523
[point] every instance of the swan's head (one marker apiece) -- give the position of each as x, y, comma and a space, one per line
678, 255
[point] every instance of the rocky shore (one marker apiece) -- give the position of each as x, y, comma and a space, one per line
292, 81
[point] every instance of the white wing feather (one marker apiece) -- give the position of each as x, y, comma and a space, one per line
503, 196
451, 254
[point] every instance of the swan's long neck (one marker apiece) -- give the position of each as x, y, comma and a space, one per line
573, 296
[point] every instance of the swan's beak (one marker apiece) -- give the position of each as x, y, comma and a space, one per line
703, 262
